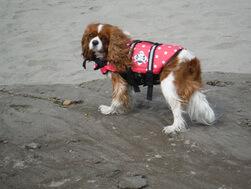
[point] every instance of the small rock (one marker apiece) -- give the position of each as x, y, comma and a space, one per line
187, 142
193, 173
193, 145
19, 164
173, 144
133, 182
33, 146
58, 183
67, 102
91, 181
4, 141
96, 161
213, 153
158, 156
247, 81
88, 115
116, 172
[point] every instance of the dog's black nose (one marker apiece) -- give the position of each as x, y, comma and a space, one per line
95, 42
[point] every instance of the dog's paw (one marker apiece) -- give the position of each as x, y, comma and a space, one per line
173, 129
169, 130
106, 110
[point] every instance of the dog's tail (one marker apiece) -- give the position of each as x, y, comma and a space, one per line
199, 109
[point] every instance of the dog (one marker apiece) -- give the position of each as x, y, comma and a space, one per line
180, 80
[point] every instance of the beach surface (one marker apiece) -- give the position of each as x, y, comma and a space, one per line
45, 144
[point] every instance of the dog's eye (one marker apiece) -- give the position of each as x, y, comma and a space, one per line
103, 38
91, 35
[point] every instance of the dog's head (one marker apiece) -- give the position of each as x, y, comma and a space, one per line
107, 42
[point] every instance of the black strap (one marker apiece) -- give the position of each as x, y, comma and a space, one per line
171, 59
133, 44
84, 63
149, 79
129, 73
130, 79
100, 63
149, 83
149, 73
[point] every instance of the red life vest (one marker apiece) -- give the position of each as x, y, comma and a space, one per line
147, 56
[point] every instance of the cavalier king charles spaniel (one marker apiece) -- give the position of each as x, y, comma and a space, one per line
179, 79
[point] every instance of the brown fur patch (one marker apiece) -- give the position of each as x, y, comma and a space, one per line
118, 53
120, 90
187, 77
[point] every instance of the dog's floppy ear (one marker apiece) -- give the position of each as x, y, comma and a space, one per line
118, 51
87, 54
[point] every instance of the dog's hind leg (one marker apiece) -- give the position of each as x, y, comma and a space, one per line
120, 99
199, 109
169, 91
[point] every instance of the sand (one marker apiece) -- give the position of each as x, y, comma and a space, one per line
40, 41
44, 144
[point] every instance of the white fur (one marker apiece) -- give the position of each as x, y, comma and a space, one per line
127, 33
115, 108
98, 47
169, 91
185, 55
99, 55
199, 110
100, 26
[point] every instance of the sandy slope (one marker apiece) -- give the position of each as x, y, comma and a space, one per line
45, 145
40, 40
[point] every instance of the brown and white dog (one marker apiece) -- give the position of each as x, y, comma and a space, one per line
180, 79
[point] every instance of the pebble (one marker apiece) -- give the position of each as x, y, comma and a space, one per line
193, 145
133, 182
187, 142
33, 146
58, 183
4, 141
193, 173
97, 161
67, 102
158, 156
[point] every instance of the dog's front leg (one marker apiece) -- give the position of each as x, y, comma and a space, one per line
120, 100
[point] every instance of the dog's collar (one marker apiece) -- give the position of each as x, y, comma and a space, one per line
100, 63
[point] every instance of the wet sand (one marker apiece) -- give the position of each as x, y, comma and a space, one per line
44, 144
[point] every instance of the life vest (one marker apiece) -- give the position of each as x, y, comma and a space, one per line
148, 56
149, 60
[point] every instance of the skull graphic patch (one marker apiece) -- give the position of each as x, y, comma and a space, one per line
140, 58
